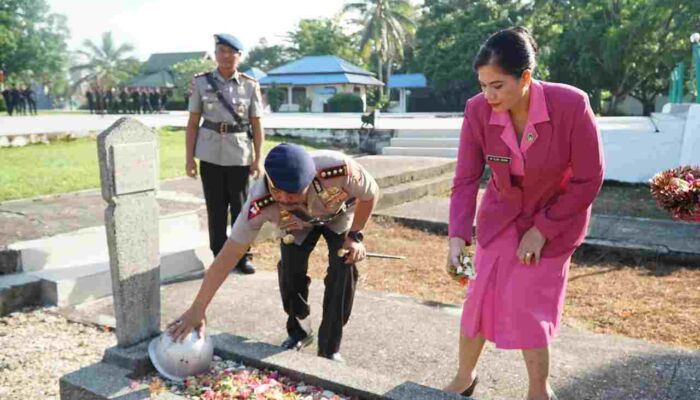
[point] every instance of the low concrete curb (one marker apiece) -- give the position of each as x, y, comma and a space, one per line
111, 378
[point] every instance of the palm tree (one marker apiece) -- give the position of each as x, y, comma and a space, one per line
104, 65
388, 26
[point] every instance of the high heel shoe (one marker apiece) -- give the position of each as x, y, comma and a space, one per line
470, 390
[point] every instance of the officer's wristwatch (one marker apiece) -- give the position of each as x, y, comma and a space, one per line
356, 236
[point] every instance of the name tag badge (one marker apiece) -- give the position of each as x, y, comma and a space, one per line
499, 159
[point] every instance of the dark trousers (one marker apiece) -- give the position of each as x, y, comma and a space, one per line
340, 283
225, 190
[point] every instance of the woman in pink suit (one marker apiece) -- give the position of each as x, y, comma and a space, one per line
542, 145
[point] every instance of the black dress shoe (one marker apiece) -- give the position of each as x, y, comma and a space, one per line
293, 343
470, 390
245, 266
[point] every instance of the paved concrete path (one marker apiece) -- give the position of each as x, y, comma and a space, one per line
82, 123
659, 236
408, 339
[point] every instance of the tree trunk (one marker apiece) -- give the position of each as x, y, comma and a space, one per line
388, 75
649, 104
595, 101
380, 73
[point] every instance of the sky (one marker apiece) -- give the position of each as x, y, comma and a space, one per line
158, 26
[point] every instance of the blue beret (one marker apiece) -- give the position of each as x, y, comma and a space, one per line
290, 167
228, 40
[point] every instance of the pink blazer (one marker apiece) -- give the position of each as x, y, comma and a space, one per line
563, 172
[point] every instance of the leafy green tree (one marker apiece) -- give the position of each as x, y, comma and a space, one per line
266, 57
107, 64
32, 42
448, 38
325, 36
185, 70
387, 27
624, 47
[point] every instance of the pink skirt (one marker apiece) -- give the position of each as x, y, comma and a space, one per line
515, 306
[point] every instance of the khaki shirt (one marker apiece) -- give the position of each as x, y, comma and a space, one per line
243, 92
339, 179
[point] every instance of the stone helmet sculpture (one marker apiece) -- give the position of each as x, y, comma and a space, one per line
178, 360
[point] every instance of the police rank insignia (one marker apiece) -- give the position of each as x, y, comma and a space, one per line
256, 206
334, 172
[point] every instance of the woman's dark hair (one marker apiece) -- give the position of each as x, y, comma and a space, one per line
514, 50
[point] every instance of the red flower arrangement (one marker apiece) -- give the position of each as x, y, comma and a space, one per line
677, 191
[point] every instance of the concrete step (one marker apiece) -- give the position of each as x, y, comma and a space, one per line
424, 142
74, 285
390, 171
411, 191
17, 291
427, 133
74, 267
421, 151
89, 245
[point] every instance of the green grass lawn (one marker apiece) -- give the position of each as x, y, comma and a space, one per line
68, 166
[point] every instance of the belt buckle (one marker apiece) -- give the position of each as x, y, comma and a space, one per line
223, 128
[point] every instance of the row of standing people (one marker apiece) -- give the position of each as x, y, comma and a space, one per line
19, 101
126, 101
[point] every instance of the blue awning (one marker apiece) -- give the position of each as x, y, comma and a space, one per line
404, 81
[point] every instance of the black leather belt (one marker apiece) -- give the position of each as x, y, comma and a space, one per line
223, 127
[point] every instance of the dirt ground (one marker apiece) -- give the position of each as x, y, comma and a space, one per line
607, 293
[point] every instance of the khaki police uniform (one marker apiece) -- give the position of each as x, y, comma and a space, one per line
224, 147
340, 182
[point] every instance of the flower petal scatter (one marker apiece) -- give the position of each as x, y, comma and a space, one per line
229, 380
677, 191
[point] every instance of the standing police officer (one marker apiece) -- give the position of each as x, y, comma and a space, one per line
306, 195
229, 141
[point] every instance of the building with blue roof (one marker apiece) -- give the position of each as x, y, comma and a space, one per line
313, 80
255, 73
401, 84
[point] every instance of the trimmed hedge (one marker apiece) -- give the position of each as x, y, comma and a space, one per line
345, 102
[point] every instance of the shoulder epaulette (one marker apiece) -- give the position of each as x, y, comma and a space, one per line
256, 206
334, 172
243, 74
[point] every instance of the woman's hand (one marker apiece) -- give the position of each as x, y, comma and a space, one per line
456, 246
530, 247
193, 318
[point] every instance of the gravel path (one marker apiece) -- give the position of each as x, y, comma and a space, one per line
37, 347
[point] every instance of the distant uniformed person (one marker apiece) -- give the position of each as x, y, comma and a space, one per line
135, 101
124, 100
145, 103
163, 99
306, 195
8, 101
229, 141
154, 99
31, 101
90, 97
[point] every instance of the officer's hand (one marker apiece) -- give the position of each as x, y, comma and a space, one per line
193, 318
256, 169
191, 168
355, 251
